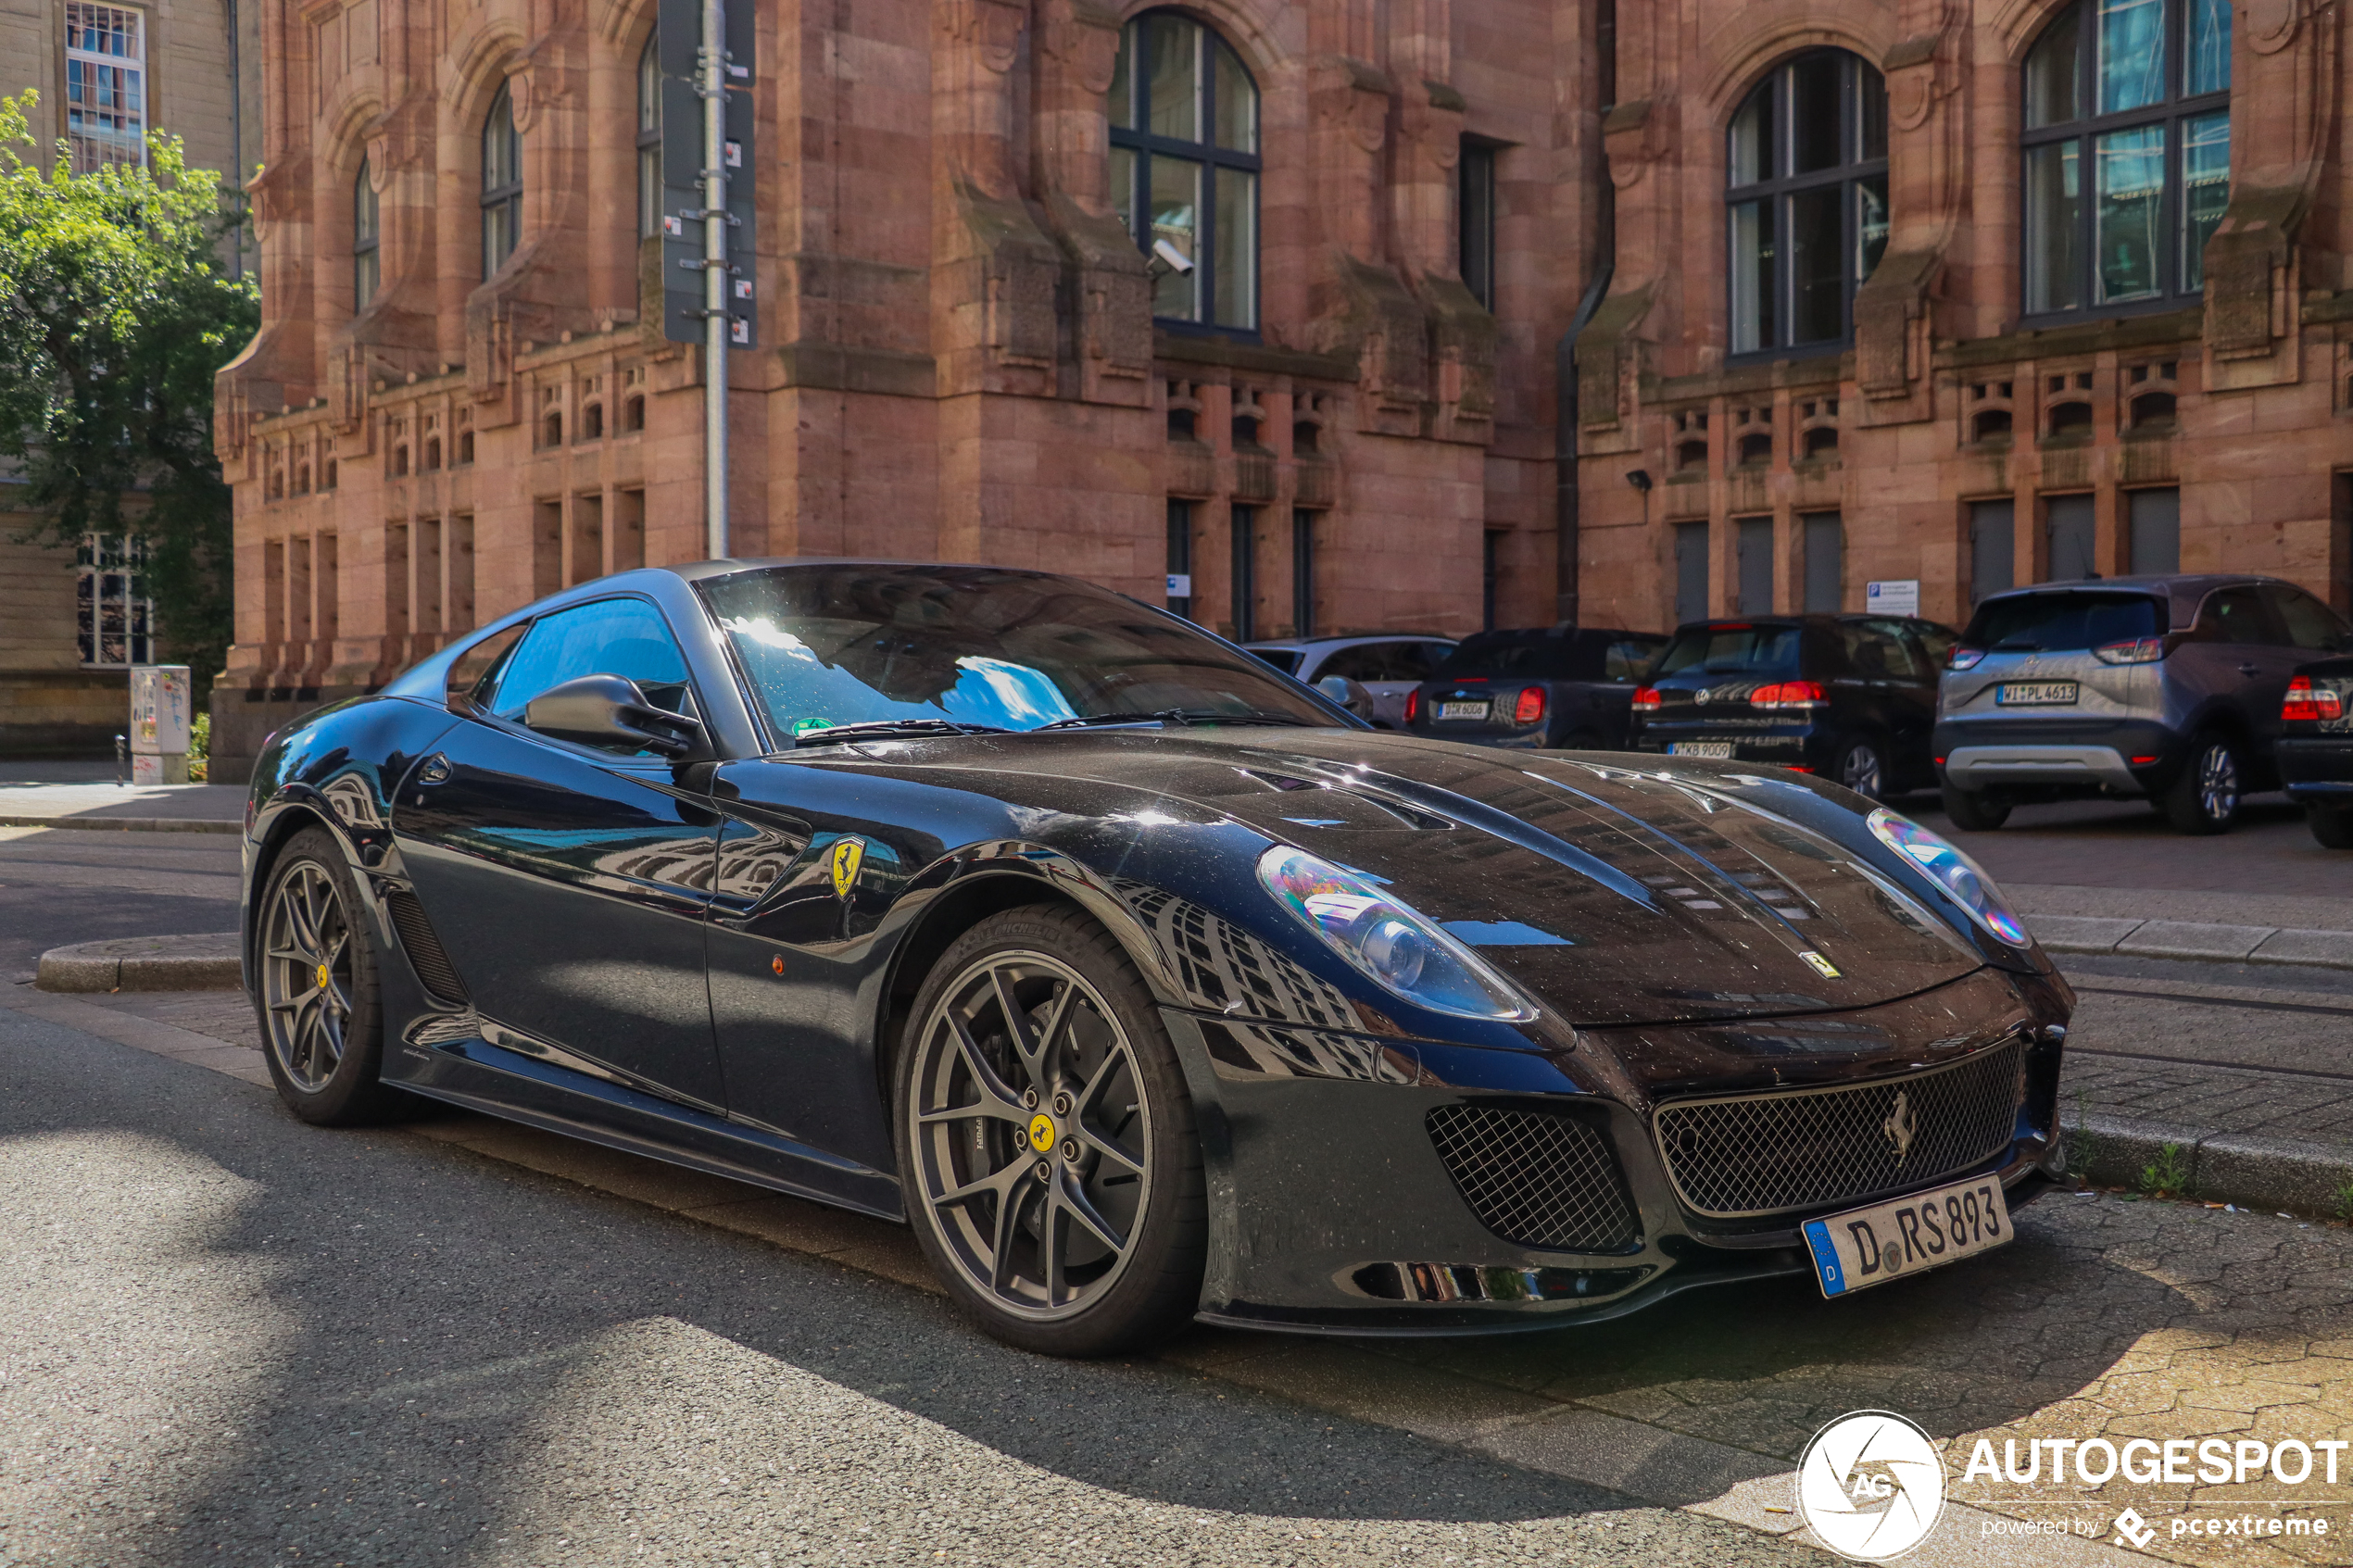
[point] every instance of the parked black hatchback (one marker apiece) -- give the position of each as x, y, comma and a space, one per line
1851, 698
1559, 688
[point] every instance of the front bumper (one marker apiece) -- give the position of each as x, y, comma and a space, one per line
1333, 1211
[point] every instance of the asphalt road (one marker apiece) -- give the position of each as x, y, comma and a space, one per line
57, 888
2125, 844
227, 1337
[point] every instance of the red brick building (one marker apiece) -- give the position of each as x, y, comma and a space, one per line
1968, 294
1341, 418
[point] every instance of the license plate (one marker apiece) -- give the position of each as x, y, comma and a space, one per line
1462, 710
2036, 694
1719, 749
1867, 1246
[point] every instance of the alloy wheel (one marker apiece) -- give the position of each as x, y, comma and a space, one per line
2218, 782
307, 975
1029, 1135
1860, 768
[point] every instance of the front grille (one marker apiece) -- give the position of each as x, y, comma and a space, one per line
426, 955
1535, 1178
1749, 1155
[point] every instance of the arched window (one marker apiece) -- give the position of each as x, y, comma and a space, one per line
649, 141
366, 233
501, 184
2138, 91
1184, 168
1808, 195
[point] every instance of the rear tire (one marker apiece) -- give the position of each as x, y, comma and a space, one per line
2332, 825
2204, 799
1087, 1237
321, 1016
1974, 810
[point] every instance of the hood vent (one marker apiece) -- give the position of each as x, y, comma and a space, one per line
1389, 806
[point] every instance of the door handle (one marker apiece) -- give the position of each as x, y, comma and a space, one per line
2250, 670
433, 769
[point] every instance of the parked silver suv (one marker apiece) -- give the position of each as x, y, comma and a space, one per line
2166, 688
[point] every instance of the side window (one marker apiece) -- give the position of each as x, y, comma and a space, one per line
1414, 662
626, 637
2235, 615
1876, 651
1630, 658
2307, 622
1366, 662
1284, 660
1935, 643
473, 676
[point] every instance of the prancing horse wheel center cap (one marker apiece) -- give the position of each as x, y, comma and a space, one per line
1041, 1132
323, 977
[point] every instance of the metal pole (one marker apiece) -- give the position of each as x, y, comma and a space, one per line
714, 276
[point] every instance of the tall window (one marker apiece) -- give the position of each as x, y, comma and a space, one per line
2138, 90
106, 86
1184, 168
501, 184
1474, 219
366, 232
1808, 217
116, 618
649, 141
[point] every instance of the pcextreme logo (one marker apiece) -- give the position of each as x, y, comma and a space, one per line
1872, 1485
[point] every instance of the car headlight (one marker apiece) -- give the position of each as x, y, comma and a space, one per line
1954, 873
1387, 940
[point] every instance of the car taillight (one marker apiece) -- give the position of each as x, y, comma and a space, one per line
2136, 650
1788, 694
1413, 706
2309, 702
1645, 699
1963, 659
1530, 706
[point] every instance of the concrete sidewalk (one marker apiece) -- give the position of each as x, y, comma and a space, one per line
2197, 927
139, 808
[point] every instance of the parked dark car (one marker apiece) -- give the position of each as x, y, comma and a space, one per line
1388, 668
1850, 698
1564, 689
1141, 980
2316, 748
2162, 688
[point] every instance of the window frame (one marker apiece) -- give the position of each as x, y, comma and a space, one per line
117, 558
1777, 189
1475, 191
366, 240
133, 88
1134, 205
2171, 113
505, 199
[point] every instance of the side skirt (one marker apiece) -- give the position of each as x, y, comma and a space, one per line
477, 1076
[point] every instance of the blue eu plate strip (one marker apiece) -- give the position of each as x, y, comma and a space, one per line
1818, 1238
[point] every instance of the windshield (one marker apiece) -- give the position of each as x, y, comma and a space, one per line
1730, 651
2039, 622
827, 645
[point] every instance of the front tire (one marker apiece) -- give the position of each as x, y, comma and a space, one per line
2204, 799
2332, 825
1973, 811
1045, 1141
321, 1017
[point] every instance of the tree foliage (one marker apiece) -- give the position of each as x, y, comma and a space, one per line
115, 312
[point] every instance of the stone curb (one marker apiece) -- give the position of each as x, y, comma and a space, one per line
122, 824
2188, 939
2246, 1168
202, 962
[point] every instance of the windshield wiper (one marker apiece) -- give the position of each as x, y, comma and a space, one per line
877, 729
1186, 716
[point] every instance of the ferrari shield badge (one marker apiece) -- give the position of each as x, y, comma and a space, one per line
848, 854
1820, 964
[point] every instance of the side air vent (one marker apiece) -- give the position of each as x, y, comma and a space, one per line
426, 955
1537, 1178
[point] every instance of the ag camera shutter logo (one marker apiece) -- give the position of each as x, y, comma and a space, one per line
1872, 1485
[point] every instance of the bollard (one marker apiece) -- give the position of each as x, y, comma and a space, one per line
122, 762
159, 720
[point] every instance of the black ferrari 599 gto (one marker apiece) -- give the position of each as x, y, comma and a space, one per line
1145, 983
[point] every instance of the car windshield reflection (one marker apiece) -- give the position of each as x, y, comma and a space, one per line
825, 647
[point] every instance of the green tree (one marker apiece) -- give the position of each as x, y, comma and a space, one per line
115, 312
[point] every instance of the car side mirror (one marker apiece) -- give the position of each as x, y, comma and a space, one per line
1348, 694
611, 711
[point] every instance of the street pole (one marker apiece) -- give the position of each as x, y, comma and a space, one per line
714, 275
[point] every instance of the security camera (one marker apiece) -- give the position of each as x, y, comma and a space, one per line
1639, 479
1170, 257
